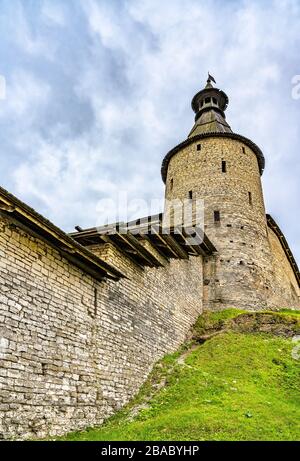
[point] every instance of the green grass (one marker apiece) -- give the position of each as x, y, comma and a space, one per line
218, 320
215, 320
289, 312
233, 387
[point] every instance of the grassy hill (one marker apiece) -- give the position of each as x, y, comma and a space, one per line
235, 379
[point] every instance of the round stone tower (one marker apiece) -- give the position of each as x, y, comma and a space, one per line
223, 169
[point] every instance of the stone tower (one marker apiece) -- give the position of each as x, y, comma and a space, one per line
224, 169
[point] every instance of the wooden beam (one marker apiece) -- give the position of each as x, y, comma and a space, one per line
147, 238
7, 207
190, 248
209, 245
139, 249
92, 268
176, 246
165, 243
197, 248
131, 255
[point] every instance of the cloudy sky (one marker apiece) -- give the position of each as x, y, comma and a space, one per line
97, 91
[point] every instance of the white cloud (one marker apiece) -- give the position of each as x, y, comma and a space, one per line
24, 35
25, 94
53, 13
135, 65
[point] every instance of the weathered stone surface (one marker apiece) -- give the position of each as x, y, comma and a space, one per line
250, 269
74, 350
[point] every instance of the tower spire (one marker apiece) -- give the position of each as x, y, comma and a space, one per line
209, 105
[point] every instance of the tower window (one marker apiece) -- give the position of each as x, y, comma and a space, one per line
198, 146
217, 217
223, 166
171, 184
215, 101
207, 100
244, 150
190, 194
250, 198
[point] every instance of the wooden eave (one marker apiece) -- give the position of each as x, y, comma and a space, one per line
34, 223
173, 243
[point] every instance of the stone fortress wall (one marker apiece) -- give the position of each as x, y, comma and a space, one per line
73, 350
284, 281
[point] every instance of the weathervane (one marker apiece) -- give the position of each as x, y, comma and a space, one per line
210, 78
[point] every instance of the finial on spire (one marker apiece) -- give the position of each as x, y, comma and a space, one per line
210, 78
209, 99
